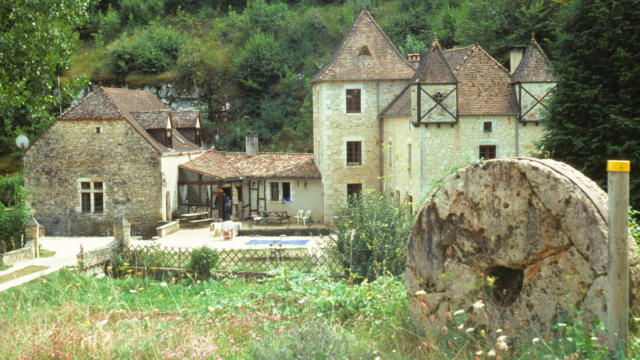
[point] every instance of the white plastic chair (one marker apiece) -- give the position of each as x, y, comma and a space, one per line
306, 217
299, 215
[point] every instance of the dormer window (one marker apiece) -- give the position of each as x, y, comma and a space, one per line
364, 51
169, 142
364, 55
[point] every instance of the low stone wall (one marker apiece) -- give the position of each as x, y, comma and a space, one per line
96, 260
24, 253
168, 228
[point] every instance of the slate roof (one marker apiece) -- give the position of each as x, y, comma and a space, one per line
433, 68
152, 119
234, 165
366, 53
130, 105
534, 66
184, 118
484, 86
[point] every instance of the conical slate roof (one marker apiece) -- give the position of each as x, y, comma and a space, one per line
534, 66
366, 53
433, 68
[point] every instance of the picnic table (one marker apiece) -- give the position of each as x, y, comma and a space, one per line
273, 214
194, 216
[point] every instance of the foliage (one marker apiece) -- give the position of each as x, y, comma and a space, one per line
203, 261
14, 212
36, 43
152, 50
140, 12
634, 224
594, 113
371, 235
311, 341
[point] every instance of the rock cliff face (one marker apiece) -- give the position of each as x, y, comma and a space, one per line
170, 95
527, 237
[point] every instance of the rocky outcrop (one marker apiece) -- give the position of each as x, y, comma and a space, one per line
527, 237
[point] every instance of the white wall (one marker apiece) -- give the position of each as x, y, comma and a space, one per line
169, 167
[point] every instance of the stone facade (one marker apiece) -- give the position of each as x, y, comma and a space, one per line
73, 151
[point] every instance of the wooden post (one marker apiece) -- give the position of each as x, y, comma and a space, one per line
618, 266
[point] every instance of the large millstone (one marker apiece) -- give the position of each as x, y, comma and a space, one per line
538, 227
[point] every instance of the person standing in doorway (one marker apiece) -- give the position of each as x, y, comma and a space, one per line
227, 207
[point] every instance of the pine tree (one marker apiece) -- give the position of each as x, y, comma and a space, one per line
595, 112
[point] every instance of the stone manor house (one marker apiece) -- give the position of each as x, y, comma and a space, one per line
380, 121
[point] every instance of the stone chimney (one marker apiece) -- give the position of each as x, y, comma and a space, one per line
515, 57
251, 143
413, 57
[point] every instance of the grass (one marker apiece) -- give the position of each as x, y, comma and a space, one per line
292, 315
4, 267
20, 273
46, 253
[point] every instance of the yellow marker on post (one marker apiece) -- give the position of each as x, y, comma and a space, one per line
618, 265
618, 166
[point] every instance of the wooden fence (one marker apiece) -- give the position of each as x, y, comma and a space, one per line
240, 260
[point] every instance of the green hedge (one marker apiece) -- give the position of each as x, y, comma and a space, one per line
14, 213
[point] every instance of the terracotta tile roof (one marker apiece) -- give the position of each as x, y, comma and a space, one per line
400, 106
484, 86
140, 108
366, 53
152, 119
233, 165
457, 57
534, 66
185, 118
433, 68
181, 142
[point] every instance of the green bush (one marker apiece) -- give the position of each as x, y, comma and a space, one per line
14, 212
109, 25
371, 235
203, 260
140, 12
634, 224
152, 50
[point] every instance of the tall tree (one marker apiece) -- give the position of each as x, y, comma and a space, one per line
36, 42
595, 112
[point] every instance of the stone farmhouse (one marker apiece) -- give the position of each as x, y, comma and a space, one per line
121, 153
381, 121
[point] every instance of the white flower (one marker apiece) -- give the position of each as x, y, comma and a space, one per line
163, 284
420, 292
461, 326
458, 312
479, 352
535, 340
594, 338
502, 345
502, 338
100, 276
499, 331
478, 305
562, 324
132, 291
470, 330
491, 353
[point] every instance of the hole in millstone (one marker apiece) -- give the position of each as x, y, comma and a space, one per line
507, 285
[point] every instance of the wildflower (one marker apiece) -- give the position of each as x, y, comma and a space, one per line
502, 338
461, 326
499, 331
420, 292
535, 340
132, 291
479, 353
502, 345
491, 353
458, 312
470, 330
163, 284
478, 305
491, 280
562, 325
100, 276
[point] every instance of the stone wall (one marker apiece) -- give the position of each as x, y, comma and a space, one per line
116, 155
306, 194
333, 127
24, 253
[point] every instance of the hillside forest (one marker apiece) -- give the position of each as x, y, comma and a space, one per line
250, 62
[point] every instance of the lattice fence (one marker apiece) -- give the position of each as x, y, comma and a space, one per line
251, 260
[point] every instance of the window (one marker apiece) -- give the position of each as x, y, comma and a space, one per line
487, 152
488, 127
286, 191
409, 161
169, 142
354, 153
275, 191
353, 100
98, 130
239, 190
92, 196
354, 190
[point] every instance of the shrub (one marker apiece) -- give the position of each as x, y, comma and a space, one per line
109, 25
371, 235
14, 212
152, 50
140, 12
203, 260
634, 225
